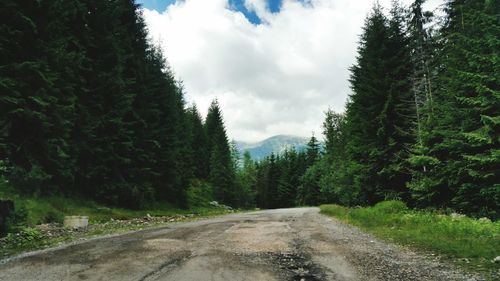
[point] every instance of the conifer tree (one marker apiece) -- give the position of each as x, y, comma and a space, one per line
380, 111
88, 106
221, 166
462, 148
247, 180
289, 179
198, 143
313, 150
38, 90
368, 82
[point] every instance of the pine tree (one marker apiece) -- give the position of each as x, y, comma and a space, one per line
313, 150
273, 175
90, 107
221, 166
38, 93
198, 143
335, 184
396, 131
369, 86
289, 179
247, 179
381, 110
462, 148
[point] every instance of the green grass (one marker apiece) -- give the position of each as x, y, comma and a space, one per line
53, 209
469, 242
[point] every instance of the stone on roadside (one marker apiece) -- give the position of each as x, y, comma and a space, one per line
484, 219
455, 216
75, 222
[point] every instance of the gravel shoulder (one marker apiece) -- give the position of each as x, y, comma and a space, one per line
283, 244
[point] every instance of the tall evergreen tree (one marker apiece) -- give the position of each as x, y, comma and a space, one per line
38, 89
368, 82
247, 180
88, 106
380, 111
198, 144
221, 166
289, 179
462, 148
335, 183
396, 131
312, 150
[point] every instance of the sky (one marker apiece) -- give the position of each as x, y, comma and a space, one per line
275, 66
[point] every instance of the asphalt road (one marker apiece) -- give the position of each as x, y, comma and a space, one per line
284, 244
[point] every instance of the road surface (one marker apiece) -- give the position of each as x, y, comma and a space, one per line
284, 244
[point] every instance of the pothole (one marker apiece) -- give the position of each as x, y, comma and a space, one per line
299, 266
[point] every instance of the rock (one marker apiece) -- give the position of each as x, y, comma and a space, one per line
497, 259
76, 221
6, 210
484, 219
456, 215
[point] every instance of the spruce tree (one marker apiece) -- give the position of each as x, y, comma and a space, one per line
397, 119
198, 143
380, 111
221, 166
289, 179
38, 89
462, 148
365, 105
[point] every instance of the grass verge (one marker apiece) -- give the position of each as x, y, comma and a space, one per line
470, 243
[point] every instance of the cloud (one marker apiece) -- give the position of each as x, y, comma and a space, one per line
273, 78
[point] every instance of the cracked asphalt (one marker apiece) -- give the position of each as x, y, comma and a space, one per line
284, 244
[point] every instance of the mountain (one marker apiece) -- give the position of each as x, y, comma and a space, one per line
276, 144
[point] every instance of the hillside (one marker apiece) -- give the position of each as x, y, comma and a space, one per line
276, 144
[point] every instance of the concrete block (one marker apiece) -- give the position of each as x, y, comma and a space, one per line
76, 221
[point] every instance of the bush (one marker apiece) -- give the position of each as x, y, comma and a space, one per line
199, 194
52, 217
25, 238
391, 207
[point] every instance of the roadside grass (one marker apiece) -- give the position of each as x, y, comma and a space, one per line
38, 212
468, 242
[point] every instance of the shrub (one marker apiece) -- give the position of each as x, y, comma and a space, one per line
199, 194
391, 207
25, 238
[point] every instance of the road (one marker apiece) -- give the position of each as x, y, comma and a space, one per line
284, 244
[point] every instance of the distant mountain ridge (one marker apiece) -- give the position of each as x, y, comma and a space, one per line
276, 144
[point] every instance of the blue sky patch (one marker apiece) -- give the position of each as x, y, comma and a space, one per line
159, 5
239, 5
274, 6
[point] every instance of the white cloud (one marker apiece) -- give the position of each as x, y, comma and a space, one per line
274, 78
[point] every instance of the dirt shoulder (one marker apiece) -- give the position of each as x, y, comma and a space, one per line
54, 234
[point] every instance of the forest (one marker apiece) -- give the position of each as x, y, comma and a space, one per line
422, 124
89, 107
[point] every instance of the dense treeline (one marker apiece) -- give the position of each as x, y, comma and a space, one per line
89, 107
276, 180
422, 124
